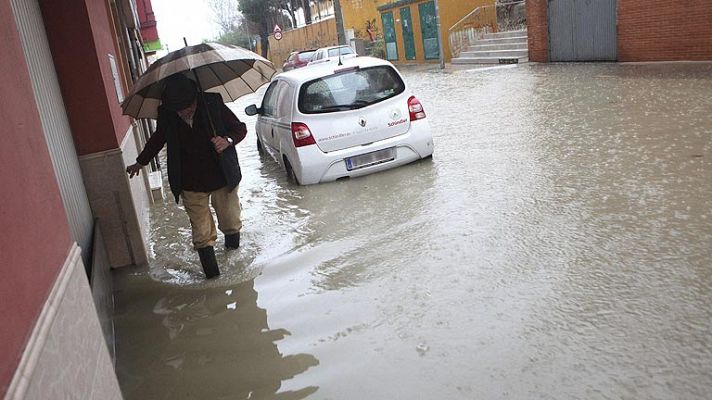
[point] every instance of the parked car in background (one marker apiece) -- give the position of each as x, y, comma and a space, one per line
327, 54
298, 59
333, 121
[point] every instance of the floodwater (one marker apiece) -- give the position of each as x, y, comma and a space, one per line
557, 246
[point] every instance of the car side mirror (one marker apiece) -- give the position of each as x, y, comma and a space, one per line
252, 110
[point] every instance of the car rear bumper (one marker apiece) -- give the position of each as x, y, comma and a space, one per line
315, 166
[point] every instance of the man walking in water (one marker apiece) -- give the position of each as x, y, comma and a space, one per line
201, 134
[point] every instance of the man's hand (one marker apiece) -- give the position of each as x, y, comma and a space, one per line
220, 143
133, 170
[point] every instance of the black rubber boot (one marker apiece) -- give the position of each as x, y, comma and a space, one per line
232, 241
208, 261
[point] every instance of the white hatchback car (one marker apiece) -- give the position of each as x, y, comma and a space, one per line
332, 54
332, 121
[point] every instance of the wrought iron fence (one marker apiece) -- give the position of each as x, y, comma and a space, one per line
502, 16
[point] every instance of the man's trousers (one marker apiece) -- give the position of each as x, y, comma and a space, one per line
227, 207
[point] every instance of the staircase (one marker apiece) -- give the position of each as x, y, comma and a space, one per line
497, 48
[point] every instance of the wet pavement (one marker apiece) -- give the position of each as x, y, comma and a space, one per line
557, 246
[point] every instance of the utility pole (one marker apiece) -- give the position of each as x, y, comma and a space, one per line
340, 34
440, 35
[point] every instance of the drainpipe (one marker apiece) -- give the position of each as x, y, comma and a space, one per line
340, 34
440, 35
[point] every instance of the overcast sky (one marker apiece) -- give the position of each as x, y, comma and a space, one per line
176, 19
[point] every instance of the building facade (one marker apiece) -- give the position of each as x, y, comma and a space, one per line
620, 30
405, 29
149, 27
69, 211
408, 28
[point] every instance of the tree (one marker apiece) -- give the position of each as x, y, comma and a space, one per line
260, 14
291, 6
227, 14
307, 10
233, 29
238, 37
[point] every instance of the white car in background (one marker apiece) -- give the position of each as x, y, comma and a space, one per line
329, 121
332, 54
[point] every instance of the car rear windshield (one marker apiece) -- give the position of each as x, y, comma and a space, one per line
350, 89
343, 50
306, 56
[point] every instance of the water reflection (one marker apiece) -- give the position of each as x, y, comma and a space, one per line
213, 343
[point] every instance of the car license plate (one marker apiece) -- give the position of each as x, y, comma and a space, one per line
369, 159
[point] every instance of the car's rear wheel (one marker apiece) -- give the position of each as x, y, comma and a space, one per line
291, 176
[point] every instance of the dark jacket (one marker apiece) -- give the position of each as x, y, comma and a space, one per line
193, 163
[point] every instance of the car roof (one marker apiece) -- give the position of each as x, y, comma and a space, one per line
301, 75
334, 47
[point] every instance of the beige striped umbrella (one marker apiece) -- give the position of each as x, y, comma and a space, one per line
229, 70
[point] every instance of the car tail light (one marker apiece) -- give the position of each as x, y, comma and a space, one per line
416, 109
301, 135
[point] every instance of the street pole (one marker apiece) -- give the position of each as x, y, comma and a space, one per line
340, 34
440, 35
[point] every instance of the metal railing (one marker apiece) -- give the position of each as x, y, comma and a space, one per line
502, 16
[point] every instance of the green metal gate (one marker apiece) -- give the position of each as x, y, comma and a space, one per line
407, 29
389, 36
429, 29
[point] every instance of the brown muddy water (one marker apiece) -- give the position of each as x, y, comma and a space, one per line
557, 246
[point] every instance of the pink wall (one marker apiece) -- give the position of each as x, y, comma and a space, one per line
35, 237
81, 37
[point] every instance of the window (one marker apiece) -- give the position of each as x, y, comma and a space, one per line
344, 51
350, 90
268, 102
284, 100
306, 56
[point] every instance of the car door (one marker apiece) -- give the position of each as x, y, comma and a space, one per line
276, 114
264, 122
282, 122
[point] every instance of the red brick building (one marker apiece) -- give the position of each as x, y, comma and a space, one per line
639, 30
149, 27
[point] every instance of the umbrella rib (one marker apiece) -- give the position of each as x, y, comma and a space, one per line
241, 76
267, 78
238, 77
217, 77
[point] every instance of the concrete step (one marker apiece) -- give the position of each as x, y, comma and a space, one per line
515, 39
496, 53
486, 60
497, 46
508, 34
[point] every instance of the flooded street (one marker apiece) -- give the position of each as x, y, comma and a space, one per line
558, 245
